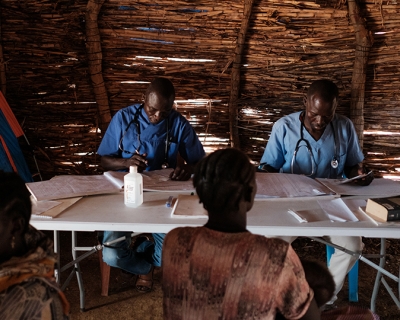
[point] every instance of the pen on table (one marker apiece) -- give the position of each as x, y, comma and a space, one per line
297, 216
169, 202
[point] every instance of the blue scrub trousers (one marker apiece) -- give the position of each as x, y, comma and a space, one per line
137, 261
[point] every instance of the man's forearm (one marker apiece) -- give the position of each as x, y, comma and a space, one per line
110, 163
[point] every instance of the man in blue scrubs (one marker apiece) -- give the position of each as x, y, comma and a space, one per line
319, 143
151, 136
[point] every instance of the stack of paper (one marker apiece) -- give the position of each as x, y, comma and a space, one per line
69, 186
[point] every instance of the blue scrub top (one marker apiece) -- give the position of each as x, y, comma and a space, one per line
285, 134
182, 137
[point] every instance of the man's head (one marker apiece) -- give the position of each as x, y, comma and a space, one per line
320, 103
223, 179
159, 100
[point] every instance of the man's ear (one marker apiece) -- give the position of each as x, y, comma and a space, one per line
305, 101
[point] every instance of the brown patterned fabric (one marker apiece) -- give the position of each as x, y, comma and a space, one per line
27, 287
209, 274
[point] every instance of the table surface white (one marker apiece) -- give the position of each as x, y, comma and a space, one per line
267, 217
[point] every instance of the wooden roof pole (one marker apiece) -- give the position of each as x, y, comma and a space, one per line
235, 76
364, 41
95, 57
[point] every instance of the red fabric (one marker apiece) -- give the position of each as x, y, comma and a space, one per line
8, 153
13, 122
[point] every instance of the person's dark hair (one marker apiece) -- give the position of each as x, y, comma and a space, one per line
222, 178
164, 88
14, 197
326, 90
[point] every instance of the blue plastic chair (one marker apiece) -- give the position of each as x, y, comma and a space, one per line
352, 275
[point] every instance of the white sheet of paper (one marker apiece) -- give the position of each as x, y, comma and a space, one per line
297, 216
69, 186
378, 187
116, 177
337, 210
38, 207
286, 185
159, 180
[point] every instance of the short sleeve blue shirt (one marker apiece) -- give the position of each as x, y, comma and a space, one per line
341, 144
152, 138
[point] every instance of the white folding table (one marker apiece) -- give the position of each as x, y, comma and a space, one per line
268, 217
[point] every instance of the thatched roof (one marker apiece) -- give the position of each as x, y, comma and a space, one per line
64, 78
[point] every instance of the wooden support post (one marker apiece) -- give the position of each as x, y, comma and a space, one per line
235, 76
95, 57
364, 41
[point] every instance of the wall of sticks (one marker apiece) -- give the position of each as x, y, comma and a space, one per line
67, 66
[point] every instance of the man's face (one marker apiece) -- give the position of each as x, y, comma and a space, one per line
319, 113
156, 108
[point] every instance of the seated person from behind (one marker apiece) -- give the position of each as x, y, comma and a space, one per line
319, 143
27, 259
221, 270
320, 281
151, 136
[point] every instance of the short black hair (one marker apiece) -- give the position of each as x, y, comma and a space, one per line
164, 88
14, 197
222, 177
325, 89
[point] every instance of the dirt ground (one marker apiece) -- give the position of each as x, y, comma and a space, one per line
124, 302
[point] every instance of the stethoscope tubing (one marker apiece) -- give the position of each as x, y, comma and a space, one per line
334, 161
136, 122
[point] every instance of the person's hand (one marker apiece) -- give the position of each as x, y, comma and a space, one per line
365, 181
181, 173
358, 170
139, 160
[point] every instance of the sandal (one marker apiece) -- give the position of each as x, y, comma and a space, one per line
144, 282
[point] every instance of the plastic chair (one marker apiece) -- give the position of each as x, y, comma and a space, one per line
352, 275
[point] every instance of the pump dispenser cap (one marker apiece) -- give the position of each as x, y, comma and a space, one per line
133, 169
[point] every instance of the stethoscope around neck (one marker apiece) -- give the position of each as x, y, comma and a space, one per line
135, 120
334, 161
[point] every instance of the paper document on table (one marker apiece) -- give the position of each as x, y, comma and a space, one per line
159, 180
360, 177
379, 187
297, 216
38, 207
365, 217
312, 215
285, 185
69, 186
54, 208
354, 206
337, 210
188, 206
117, 177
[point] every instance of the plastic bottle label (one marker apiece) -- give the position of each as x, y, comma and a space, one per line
130, 193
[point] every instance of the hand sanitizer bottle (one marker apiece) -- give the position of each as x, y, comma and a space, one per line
133, 188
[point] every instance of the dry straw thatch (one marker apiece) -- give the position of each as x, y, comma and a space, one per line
68, 66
